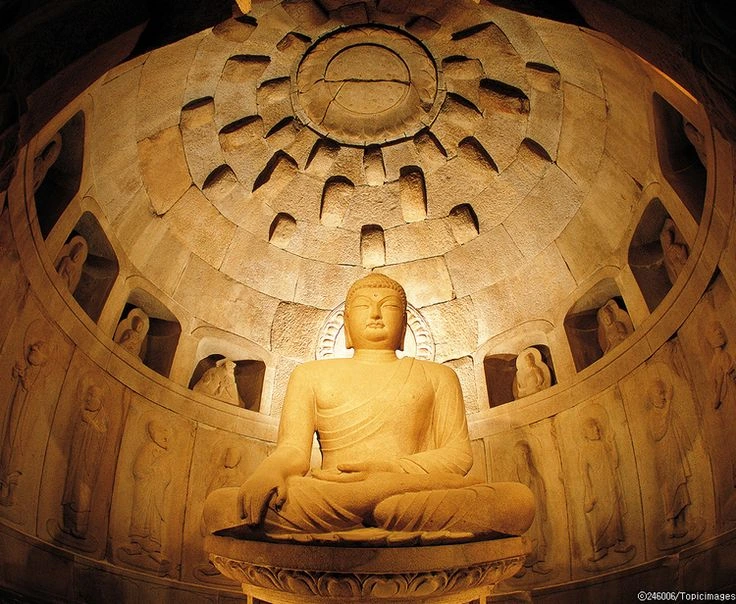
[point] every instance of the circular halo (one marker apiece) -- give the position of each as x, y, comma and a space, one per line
418, 341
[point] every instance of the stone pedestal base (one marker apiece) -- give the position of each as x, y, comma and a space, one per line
294, 573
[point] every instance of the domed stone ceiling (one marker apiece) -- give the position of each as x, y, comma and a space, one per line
488, 160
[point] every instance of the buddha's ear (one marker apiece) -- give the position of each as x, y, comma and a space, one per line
348, 339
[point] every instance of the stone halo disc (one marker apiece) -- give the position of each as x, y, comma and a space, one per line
367, 84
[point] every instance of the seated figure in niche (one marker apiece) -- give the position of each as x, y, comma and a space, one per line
674, 251
394, 443
132, 330
532, 373
219, 382
45, 160
614, 325
71, 262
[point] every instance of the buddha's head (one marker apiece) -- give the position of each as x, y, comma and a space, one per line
375, 314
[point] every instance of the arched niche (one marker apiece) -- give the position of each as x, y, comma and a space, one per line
89, 279
582, 323
682, 156
500, 371
155, 331
657, 253
247, 377
57, 172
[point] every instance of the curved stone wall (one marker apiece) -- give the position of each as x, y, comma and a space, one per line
613, 449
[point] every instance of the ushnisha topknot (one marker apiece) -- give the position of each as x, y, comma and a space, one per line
375, 280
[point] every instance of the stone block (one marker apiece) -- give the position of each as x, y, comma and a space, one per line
164, 168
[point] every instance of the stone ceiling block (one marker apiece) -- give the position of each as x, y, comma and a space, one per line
162, 84
628, 97
261, 266
164, 168
540, 218
485, 260
454, 326
583, 127
218, 300
204, 230
417, 240
294, 331
421, 291
324, 285
114, 153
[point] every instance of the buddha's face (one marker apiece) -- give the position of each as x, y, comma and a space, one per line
375, 319
658, 394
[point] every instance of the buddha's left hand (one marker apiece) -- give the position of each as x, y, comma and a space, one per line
355, 472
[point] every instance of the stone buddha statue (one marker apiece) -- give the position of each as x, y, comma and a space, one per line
394, 443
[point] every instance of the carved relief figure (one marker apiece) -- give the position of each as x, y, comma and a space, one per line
132, 330
394, 443
722, 366
71, 262
603, 502
45, 160
228, 474
219, 382
528, 474
87, 445
671, 445
532, 373
614, 325
152, 475
26, 371
674, 251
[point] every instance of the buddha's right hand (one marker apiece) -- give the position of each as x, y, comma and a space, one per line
259, 491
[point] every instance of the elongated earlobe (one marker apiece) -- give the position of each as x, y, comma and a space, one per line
348, 339
403, 334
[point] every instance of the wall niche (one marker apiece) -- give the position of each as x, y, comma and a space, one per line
682, 155
238, 382
657, 253
149, 331
597, 323
87, 265
57, 172
511, 377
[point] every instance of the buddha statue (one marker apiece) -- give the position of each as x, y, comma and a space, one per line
394, 443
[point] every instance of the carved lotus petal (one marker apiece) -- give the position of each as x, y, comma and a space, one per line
428, 583
385, 587
338, 587
298, 582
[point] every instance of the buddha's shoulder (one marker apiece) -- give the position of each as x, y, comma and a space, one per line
436, 370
